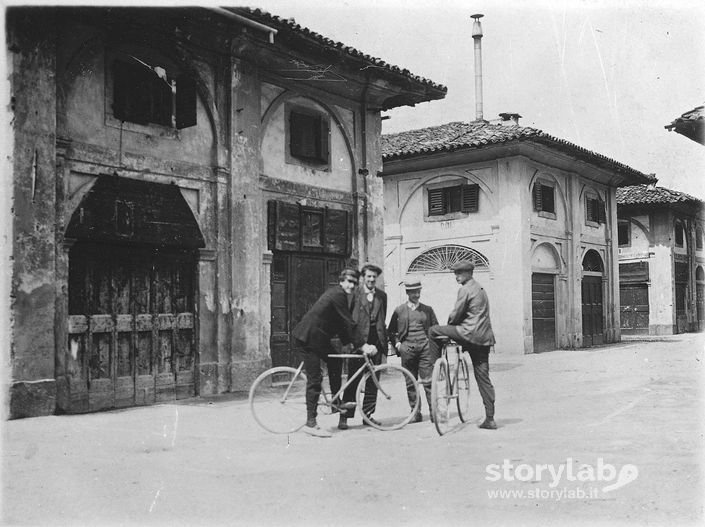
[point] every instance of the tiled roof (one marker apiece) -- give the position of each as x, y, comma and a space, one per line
460, 135
643, 194
280, 23
691, 124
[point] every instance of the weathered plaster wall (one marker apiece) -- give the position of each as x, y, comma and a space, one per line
33, 57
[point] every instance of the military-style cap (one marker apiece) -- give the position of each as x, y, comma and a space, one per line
411, 284
463, 266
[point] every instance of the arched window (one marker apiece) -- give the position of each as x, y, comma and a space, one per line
592, 262
700, 274
441, 259
698, 237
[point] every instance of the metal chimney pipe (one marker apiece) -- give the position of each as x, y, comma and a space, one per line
477, 37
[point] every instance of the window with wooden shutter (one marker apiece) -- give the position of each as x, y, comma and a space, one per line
698, 238
544, 200
623, 233
595, 209
141, 96
308, 136
456, 198
679, 234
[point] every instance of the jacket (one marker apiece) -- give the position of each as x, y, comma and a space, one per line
362, 316
399, 324
471, 314
329, 317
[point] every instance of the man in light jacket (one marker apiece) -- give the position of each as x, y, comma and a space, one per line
469, 325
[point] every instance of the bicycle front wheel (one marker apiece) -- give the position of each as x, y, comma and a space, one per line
441, 395
463, 387
397, 386
278, 400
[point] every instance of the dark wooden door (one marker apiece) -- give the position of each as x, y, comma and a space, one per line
700, 299
297, 282
592, 310
131, 326
634, 308
543, 312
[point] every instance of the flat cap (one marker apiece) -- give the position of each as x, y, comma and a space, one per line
412, 283
463, 266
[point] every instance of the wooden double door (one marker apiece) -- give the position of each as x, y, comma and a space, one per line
593, 312
297, 281
132, 325
543, 311
634, 308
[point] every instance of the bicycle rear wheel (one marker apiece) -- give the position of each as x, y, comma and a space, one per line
278, 400
463, 387
392, 410
441, 395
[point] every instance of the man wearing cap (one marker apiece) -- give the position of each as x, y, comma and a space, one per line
469, 325
408, 333
369, 312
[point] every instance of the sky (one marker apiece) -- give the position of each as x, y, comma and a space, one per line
605, 78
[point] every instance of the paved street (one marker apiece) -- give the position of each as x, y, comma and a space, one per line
572, 423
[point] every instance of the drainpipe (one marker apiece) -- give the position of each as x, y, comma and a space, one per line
477, 37
246, 21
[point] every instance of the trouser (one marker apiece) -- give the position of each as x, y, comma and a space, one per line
369, 402
314, 376
480, 363
418, 359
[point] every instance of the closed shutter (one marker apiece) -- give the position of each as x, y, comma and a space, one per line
470, 197
601, 213
435, 202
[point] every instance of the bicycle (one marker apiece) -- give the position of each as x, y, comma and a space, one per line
450, 381
278, 396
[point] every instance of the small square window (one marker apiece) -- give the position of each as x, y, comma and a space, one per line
679, 234
544, 200
458, 198
623, 233
308, 135
141, 96
594, 209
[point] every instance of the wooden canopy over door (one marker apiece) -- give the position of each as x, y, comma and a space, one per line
132, 321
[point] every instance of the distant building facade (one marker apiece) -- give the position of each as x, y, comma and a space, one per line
661, 261
536, 214
186, 183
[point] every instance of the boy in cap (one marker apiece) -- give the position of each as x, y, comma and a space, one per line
469, 325
408, 333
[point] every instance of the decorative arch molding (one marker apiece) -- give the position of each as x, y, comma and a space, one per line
550, 177
647, 232
543, 255
466, 175
288, 95
174, 53
441, 259
592, 262
585, 188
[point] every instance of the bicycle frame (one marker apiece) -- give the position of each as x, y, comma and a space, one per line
367, 365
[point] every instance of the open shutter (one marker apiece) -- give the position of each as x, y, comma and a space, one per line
470, 197
435, 202
185, 102
589, 209
538, 200
601, 212
324, 140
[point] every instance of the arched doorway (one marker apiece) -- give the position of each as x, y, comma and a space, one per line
592, 307
132, 292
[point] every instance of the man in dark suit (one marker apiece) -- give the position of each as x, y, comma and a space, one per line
369, 314
408, 332
330, 316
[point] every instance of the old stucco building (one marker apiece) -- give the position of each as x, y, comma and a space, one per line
537, 215
661, 260
184, 180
